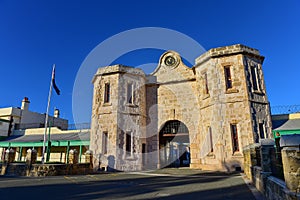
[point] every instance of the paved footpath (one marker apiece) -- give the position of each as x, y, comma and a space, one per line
161, 184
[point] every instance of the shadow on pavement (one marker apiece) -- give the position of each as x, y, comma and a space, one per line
128, 186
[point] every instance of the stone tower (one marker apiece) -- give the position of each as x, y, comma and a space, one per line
233, 104
200, 117
118, 118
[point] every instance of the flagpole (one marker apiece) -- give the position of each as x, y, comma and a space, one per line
47, 114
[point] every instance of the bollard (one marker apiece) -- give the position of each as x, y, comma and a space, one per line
291, 167
89, 157
247, 162
31, 156
267, 145
73, 156
9, 155
291, 161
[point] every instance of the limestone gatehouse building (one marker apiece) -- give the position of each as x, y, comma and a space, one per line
200, 116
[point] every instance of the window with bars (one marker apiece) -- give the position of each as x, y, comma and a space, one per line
234, 136
228, 78
173, 127
107, 93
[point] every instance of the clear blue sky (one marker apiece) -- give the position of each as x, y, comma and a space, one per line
36, 34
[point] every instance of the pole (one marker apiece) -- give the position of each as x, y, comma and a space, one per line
46, 118
48, 144
68, 150
20, 154
80, 152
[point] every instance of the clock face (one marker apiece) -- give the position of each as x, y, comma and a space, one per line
170, 61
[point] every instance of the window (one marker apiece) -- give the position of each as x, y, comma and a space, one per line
129, 142
130, 93
210, 139
234, 136
174, 127
205, 83
144, 153
256, 137
107, 93
104, 142
228, 79
254, 78
261, 130
121, 140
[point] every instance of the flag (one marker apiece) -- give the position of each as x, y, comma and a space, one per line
53, 82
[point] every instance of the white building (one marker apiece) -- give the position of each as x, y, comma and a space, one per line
14, 118
21, 129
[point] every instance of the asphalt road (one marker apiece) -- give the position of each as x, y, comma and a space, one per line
162, 184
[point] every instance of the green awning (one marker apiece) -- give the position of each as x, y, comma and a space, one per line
278, 133
40, 144
36, 140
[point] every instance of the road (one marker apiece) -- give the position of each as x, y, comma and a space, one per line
161, 184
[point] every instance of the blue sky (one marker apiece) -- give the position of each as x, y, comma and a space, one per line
36, 34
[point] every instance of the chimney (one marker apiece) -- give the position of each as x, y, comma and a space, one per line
56, 113
25, 104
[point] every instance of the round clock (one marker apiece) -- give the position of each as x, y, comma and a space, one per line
170, 61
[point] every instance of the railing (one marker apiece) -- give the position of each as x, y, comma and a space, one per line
29, 125
285, 109
79, 126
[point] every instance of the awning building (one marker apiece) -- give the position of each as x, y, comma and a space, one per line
58, 143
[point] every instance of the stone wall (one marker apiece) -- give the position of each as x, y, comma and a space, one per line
104, 117
152, 138
262, 177
21, 169
30, 168
178, 102
272, 187
131, 121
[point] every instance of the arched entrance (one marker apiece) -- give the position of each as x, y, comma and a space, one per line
174, 145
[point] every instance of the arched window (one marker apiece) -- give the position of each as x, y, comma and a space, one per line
174, 127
